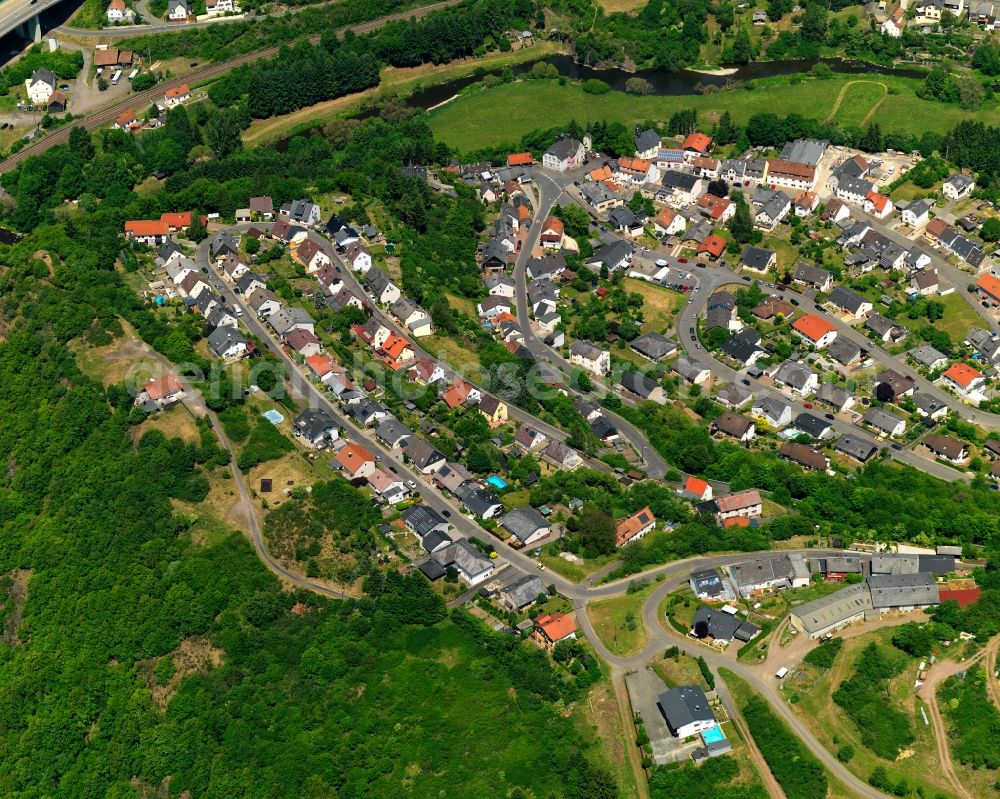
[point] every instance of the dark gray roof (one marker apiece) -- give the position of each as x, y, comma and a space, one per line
523, 522
639, 384
856, 447
834, 609
679, 180
811, 425
804, 151
902, 590
422, 453
314, 423
525, 590
222, 338
708, 582
611, 255
882, 419
845, 298
810, 274
684, 705
742, 346
480, 501
843, 350
423, 519
654, 346
391, 430
564, 147
756, 257
722, 626
646, 140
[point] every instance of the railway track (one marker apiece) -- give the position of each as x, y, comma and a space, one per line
141, 99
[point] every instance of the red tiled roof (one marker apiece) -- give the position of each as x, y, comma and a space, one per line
813, 327
633, 525
180, 91
353, 456
126, 118
321, 364
520, 159
146, 227
165, 386
988, 283
713, 245
556, 626
876, 199
697, 141
963, 596
696, 486
962, 374
790, 169
601, 173
177, 218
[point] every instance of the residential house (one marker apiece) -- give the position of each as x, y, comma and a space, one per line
162, 391
423, 455
854, 168
40, 86
741, 505
262, 208
263, 302
917, 213
773, 411
713, 246
850, 302
772, 207
668, 222
925, 282
642, 386
988, 287
886, 423
733, 396
175, 96
356, 461
492, 307
552, 233
152, 232
635, 527
686, 711
564, 457
805, 456
719, 209
116, 11
178, 10
303, 342
835, 397
387, 485
227, 343
692, 371
590, 357
772, 573
735, 426
285, 320
696, 145
378, 284
929, 406
302, 212
928, 357
493, 409
815, 330
884, 328
791, 175
551, 628
809, 424
315, 427
311, 256
771, 307
890, 386
963, 379
894, 23
812, 276
480, 502
522, 592
878, 205
947, 448
647, 143
654, 346
758, 259
744, 347
566, 153
626, 221
696, 488
797, 377
958, 186
678, 189
473, 566
528, 438
835, 212
720, 312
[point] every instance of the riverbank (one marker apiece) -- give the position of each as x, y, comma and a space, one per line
471, 121
394, 81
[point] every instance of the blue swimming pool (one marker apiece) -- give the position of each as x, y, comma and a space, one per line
496, 482
273, 416
713, 735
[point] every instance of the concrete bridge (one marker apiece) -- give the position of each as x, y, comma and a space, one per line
22, 17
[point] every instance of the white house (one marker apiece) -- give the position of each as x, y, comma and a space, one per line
958, 186
178, 10
176, 96
916, 213
893, 26
216, 7
40, 86
117, 11
590, 357
878, 205
359, 258
566, 153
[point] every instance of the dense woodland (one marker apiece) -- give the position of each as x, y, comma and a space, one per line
299, 703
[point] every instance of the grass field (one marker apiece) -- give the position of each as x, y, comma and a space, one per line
471, 122
958, 315
618, 621
463, 358
574, 571
659, 305
858, 100
599, 717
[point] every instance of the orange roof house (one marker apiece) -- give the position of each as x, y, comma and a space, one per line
553, 228
635, 526
127, 119
698, 142
145, 227
456, 394
716, 206
356, 460
551, 628
321, 365
813, 327
633, 166
962, 375
877, 200
988, 284
601, 173
181, 91
698, 488
714, 245
395, 351
520, 159
164, 387
177, 219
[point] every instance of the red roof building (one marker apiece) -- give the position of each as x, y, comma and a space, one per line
698, 142
988, 285
164, 387
814, 328
520, 159
714, 245
551, 628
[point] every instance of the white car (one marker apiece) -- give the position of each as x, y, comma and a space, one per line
411, 483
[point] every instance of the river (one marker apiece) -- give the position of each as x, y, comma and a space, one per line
681, 82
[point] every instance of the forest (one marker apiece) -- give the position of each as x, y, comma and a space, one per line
120, 588
799, 773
